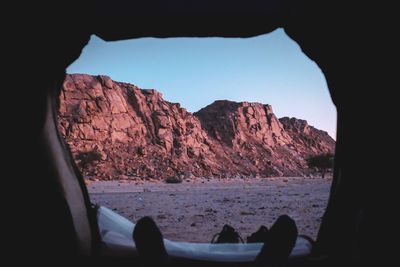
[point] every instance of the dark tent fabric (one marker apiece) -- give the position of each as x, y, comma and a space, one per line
56, 214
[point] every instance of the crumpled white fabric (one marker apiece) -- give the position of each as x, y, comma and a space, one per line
116, 233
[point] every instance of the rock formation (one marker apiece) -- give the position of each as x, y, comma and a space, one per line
116, 130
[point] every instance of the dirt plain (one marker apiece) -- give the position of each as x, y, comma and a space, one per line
195, 210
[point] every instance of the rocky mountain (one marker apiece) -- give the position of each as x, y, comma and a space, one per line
307, 139
116, 130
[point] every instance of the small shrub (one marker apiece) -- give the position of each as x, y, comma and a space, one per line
173, 180
322, 162
85, 158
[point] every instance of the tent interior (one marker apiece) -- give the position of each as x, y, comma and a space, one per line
63, 223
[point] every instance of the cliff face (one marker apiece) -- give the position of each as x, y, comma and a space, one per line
307, 139
237, 124
117, 131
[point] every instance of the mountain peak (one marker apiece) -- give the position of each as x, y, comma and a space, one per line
116, 130
234, 104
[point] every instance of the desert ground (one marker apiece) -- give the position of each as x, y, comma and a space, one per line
196, 210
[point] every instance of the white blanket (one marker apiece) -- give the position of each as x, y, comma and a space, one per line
116, 233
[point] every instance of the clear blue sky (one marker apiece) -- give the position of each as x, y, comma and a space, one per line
270, 69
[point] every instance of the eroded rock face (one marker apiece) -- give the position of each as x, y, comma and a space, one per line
118, 131
307, 139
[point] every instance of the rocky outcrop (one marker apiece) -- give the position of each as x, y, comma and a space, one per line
307, 139
237, 124
118, 131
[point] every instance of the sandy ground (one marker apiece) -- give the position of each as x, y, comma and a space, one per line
194, 211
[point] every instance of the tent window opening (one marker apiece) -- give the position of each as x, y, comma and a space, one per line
235, 132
